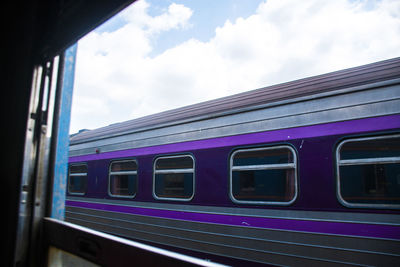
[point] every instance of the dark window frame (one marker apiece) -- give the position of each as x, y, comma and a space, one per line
122, 173
78, 175
172, 171
293, 166
362, 161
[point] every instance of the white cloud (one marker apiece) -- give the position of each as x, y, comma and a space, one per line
175, 17
283, 40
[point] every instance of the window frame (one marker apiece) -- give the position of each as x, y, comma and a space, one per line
169, 171
293, 166
365, 161
123, 172
78, 174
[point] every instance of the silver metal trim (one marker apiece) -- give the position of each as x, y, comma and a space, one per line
328, 216
367, 161
174, 171
78, 174
271, 166
169, 171
123, 173
264, 167
340, 163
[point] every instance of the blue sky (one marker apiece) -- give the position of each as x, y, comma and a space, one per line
207, 16
159, 55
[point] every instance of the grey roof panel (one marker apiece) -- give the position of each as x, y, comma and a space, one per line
370, 73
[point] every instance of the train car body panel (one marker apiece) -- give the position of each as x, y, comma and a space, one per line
267, 240
213, 198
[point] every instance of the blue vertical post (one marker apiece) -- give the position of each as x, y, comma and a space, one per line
61, 156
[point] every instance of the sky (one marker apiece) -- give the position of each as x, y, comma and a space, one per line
159, 55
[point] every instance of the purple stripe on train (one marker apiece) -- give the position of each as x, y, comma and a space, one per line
336, 128
312, 226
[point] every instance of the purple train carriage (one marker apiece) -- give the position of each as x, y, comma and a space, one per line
301, 173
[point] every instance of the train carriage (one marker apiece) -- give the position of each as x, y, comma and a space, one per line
301, 173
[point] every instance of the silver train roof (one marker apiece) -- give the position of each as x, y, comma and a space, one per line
254, 99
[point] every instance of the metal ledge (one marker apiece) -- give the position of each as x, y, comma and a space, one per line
109, 250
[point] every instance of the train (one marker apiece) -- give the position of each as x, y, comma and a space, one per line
302, 173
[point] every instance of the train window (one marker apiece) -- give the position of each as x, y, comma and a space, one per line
173, 178
264, 175
368, 172
123, 178
77, 179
